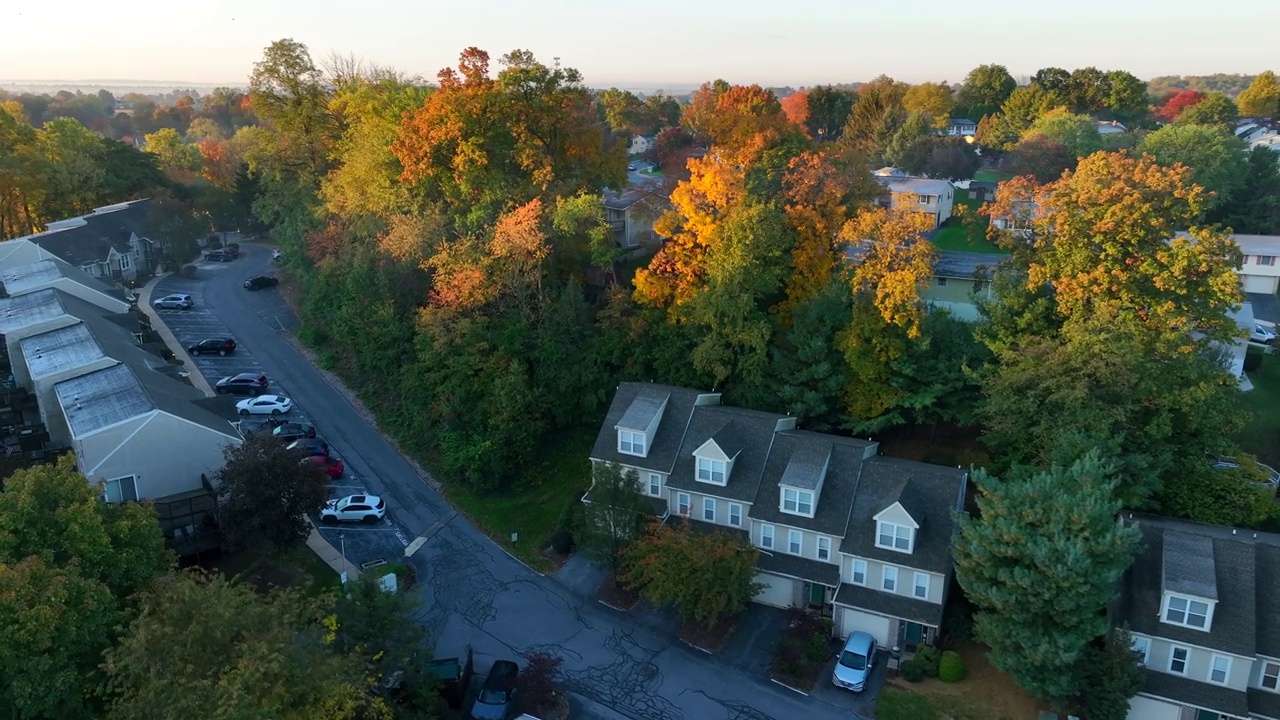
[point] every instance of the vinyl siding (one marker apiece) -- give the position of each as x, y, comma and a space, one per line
1198, 663
808, 542
134, 448
722, 507
906, 578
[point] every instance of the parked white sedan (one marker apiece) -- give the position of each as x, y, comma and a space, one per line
265, 405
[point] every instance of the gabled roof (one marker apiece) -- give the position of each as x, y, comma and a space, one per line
1195, 693
963, 121
750, 430
1236, 572
1188, 565
644, 407
917, 186
831, 513
935, 493
625, 199
666, 441
807, 464
91, 238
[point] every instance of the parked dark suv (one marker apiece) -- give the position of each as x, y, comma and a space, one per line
219, 346
221, 255
260, 282
242, 384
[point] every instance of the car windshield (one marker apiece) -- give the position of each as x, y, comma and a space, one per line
493, 697
343, 503
853, 660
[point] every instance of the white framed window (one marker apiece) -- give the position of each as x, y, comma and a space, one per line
1270, 676
126, 262
889, 579
893, 537
940, 281
1178, 659
655, 484
766, 536
824, 548
797, 502
859, 572
122, 489
683, 504
1142, 646
735, 514
709, 509
712, 471
795, 542
1190, 613
631, 442
1244, 260
921, 588
1266, 259
1219, 669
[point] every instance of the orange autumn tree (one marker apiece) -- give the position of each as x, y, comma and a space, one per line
796, 107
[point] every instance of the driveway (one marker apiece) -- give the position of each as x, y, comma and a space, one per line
473, 593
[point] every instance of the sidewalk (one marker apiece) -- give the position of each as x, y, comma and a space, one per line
179, 351
330, 555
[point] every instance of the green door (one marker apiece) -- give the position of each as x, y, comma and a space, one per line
817, 594
915, 634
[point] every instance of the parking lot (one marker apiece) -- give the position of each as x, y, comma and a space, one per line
364, 545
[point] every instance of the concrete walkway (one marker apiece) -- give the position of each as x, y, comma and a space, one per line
330, 555
179, 351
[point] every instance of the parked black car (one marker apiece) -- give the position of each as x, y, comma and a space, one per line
221, 255
310, 446
290, 431
242, 384
260, 282
220, 346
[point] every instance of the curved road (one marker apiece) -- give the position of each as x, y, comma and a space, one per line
473, 593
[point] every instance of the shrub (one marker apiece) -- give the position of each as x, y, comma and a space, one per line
188, 271
951, 667
562, 541
537, 681
912, 671
928, 657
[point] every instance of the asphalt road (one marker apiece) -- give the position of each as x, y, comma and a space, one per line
473, 593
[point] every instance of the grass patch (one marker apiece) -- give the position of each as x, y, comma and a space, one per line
895, 704
297, 567
959, 237
1259, 436
984, 694
991, 176
533, 506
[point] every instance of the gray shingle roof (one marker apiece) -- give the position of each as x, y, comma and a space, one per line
750, 430
644, 407
22, 279
1188, 565
959, 264
666, 441
781, 563
93, 241
100, 399
1264, 703
60, 350
807, 464
1267, 599
24, 311
934, 492
831, 514
889, 604
1193, 692
1234, 627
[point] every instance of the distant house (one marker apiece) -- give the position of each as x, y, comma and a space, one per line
978, 190
891, 172
631, 214
958, 279
934, 198
641, 144
1110, 127
1200, 602
962, 127
110, 243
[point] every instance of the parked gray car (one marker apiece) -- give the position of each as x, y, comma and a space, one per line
855, 662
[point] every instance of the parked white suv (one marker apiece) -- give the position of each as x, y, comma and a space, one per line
178, 301
354, 508
1262, 334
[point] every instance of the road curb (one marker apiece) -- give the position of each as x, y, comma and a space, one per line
179, 351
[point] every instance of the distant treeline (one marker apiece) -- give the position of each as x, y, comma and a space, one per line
1227, 84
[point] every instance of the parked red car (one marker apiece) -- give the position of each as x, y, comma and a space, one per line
330, 464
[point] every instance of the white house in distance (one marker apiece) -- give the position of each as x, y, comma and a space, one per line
962, 127
1110, 127
631, 214
934, 198
641, 144
110, 242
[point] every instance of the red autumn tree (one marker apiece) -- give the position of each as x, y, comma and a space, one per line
796, 107
1176, 104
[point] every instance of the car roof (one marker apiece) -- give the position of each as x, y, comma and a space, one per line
503, 671
248, 375
859, 642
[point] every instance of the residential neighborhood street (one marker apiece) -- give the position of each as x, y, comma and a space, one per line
473, 593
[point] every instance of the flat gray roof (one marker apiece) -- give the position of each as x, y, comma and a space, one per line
102, 398
34, 308
24, 277
60, 350
960, 264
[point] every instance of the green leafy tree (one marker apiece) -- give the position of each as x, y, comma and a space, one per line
1261, 98
952, 158
176, 157
706, 576
1041, 158
1126, 98
808, 369
1112, 673
1078, 133
176, 225
614, 517
911, 145
875, 117
1088, 90
1024, 106
622, 110
208, 647
932, 100
1238, 496
1052, 80
1041, 600
985, 89
265, 492
1254, 208
1216, 157
1215, 109
829, 109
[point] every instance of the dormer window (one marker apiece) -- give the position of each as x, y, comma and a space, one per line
891, 536
712, 471
631, 442
797, 502
1186, 612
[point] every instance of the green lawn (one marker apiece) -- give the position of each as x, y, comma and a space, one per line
957, 237
533, 507
297, 567
895, 704
991, 176
1261, 436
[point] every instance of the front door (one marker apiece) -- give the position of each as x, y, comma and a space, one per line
817, 594
914, 635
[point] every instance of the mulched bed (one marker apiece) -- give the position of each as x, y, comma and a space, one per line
710, 639
803, 651
616, 596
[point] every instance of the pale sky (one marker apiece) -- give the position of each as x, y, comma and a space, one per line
644, 42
